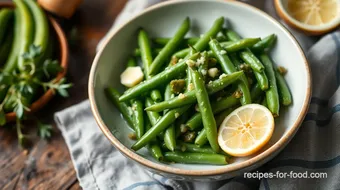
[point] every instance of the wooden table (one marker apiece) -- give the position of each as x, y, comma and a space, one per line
47, 165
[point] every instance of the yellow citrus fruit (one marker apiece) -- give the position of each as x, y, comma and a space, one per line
311, 16
246, 130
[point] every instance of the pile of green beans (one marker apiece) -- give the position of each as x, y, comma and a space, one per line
20, 28
26, 54
221, 70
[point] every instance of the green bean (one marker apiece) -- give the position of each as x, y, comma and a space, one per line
228, 46
190, 98
160, 126
156, 151
217, 106
131, 62
153, 116
170, 47
208, 119
26, 30
41, 30
202, 137
37, 35
189, 86
228, 68
145, 51
188, 147
156, 95
284, 92
239, 44
157, 80
262, 79
232, 35
167, 94
154, 52
246, 55
170, 133
196, 158
221, 116
204, 67
234, 59
169, 137
256, 91
180, 124
124, 109
202, 43
224, 103
249, 58
265, 44
195, 121
144, 45
272, 95
153, 146
5, 17
137, 109
186, 41
12, 59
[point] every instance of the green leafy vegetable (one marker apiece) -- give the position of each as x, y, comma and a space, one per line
45, 130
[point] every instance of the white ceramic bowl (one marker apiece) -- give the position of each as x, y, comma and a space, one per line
162, 20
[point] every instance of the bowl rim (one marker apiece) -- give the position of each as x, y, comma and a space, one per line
277, 146
63, 60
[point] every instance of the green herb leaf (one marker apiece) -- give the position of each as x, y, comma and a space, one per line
26, 56
51, 68
34, 51
22, 140
59, 86
19, 110
62, 92
45, 130
6, 79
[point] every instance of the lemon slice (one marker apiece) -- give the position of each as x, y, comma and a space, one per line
246, 130
312, 16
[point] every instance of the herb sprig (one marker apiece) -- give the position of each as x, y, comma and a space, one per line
22, 86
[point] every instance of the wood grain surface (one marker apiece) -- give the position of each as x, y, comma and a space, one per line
47, 165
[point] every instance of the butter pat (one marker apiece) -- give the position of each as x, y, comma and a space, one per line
132, 76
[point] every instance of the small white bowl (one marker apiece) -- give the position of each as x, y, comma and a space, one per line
162, 20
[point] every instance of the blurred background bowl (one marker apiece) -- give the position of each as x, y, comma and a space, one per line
61, 47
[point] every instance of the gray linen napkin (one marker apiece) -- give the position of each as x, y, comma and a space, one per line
315, 148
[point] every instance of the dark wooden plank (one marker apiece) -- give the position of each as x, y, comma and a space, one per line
47, 165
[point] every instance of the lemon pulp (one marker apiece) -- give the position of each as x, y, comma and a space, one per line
313, 12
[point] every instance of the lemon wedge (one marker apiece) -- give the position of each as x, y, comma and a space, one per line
312, 16
246, 130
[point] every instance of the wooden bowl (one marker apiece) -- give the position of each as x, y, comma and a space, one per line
63, 60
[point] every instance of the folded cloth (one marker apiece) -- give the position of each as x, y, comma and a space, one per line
315, 148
